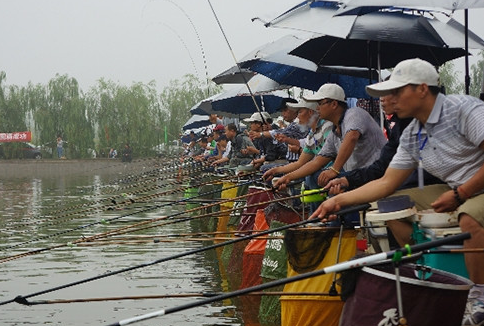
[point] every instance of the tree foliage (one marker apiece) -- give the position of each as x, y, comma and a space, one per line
107, 115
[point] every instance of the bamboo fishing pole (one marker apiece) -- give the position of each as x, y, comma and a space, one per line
337, 268
22, 299
173, 295
118, 231
116, 205
152, 179
129, 200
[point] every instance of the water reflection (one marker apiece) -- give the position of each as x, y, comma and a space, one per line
35, 215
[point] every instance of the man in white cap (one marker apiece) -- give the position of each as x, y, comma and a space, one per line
319, 129
289, 135
446, 138
355, 140
265, 149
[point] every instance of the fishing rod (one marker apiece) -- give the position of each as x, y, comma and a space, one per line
395, 255
142, 175
171, 167
206, 236
173, 295
166, 240
126, 229
103, 221
156, 237
190, 218
22, 299
129, 200
237, 63
128, 197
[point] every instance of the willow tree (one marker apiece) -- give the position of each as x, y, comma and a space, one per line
179, 97
125, 115
12, 110
63, 112
477, 76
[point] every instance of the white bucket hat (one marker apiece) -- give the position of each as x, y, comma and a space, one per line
412, 71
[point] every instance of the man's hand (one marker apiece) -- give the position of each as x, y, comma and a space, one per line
254, 134
327, 207
269, 174
294, 148
337, 186
281, 138
445, 203
282, 182
325, 176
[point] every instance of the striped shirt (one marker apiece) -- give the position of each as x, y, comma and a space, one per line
292, 131
315, 139
449, 140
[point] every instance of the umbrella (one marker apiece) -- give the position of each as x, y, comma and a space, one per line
355, 7
429, 39
272, 60
234, 75
444, 4
196, 121
388, 37
238, 103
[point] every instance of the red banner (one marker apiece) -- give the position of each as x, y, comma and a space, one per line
20, 136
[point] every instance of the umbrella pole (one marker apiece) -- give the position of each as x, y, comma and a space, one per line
382, 124
467, 77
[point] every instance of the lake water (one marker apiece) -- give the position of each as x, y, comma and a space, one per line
44, 211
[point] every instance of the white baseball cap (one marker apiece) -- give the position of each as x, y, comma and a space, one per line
256, 117
303, 104
412, 71
330, 91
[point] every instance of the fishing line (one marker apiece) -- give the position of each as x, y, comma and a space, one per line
184, 45
199, 43
121, 216
236, 62
23, 299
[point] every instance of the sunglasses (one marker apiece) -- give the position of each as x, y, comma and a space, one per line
323, 102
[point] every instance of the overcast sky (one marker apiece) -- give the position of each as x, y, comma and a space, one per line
136, 40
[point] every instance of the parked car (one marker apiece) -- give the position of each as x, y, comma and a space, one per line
31, 151
20, 151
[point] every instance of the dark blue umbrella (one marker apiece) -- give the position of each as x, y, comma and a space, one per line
196, 122
237, 102
272, 60
312, 80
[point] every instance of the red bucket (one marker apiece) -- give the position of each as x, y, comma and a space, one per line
437, 300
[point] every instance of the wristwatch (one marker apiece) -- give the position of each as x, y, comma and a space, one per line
262, 134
